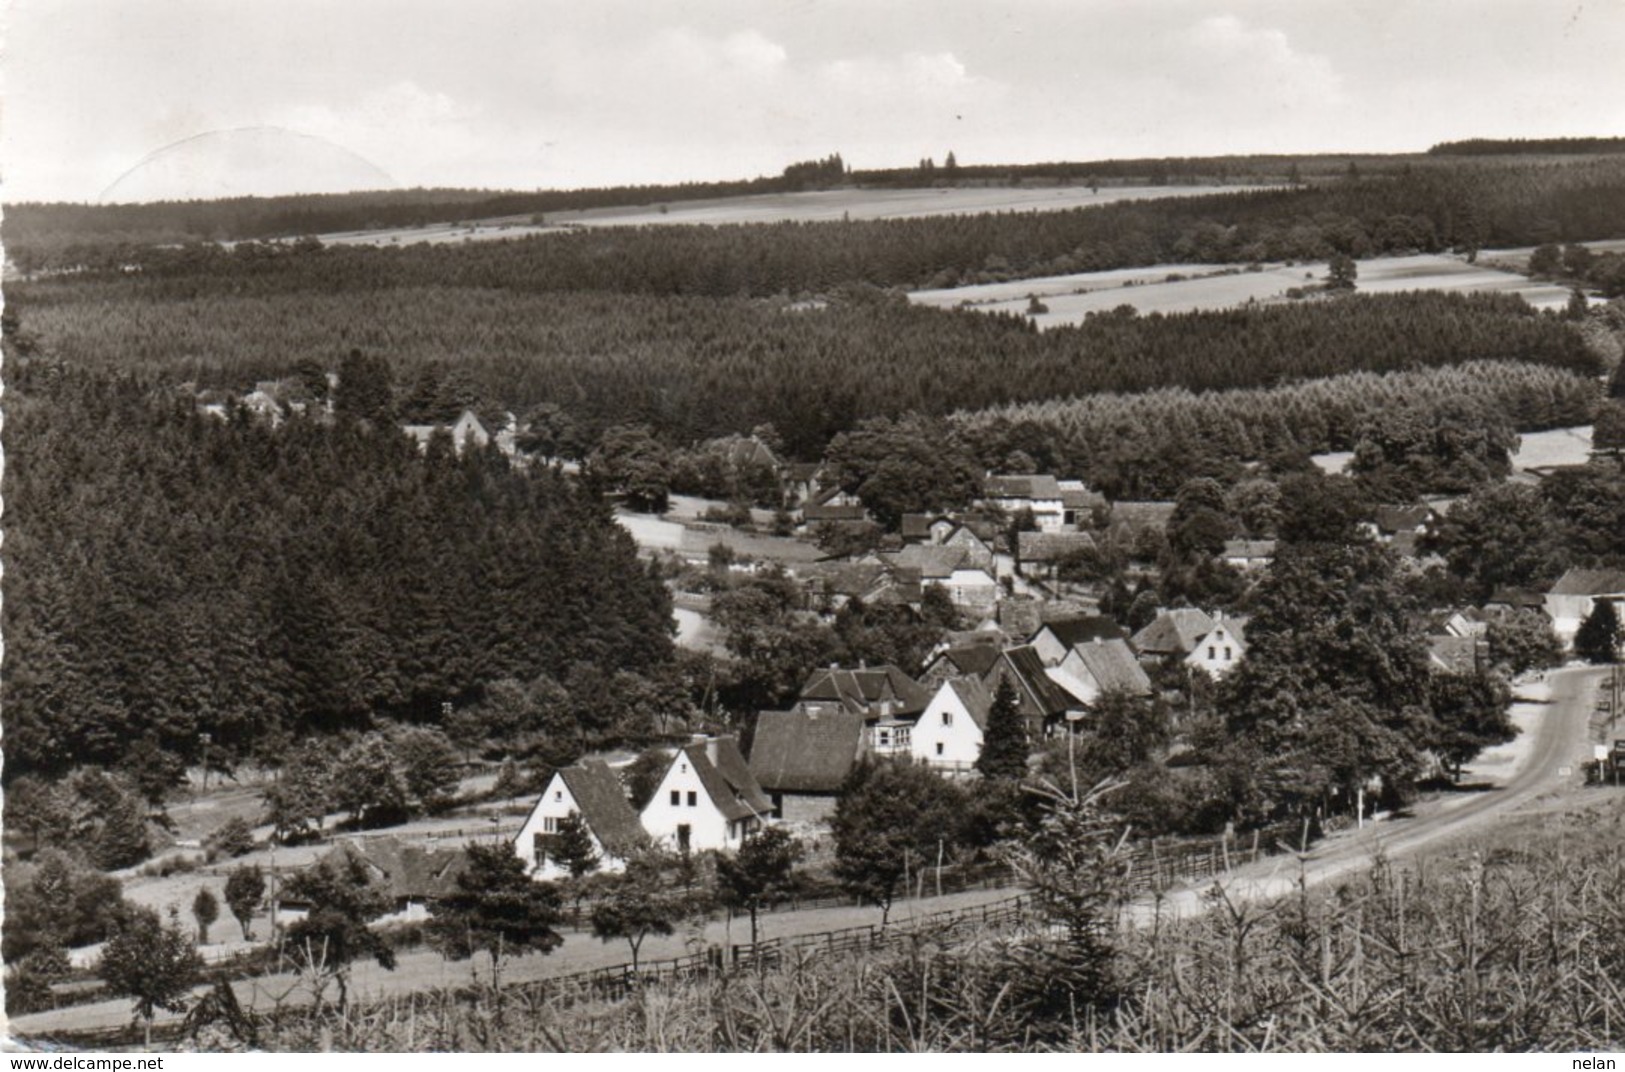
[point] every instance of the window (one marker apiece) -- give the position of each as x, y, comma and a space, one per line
683, 833
538, 848
676, 797
558, 795
550, 824
940, 747
884, 736
947, 718
693, 799
685, 768
1212, 652
1227, 653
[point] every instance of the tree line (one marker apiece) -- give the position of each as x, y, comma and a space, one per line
1423, 209
696, 368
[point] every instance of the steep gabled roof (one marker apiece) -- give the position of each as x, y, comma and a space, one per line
860, 689
728, 780
805, 752
1174, 632
818, 512
1114, 667
1073, 631
1051, 698
1235, 626
973, 659
1590, 582
975, 696
603, 805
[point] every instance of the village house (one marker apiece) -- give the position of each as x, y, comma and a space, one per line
802, 758
467, 430
1100, 666
1040, 555
956, 568
948, 734
926, 528
1038, 494
836, 507
971, 659
1248, 555
1576, 594
411, 877
1218, 650
1055, 640
1079, 505
706, 799
1174, 634
829, 586
1043, 702
592, 791
1457, 654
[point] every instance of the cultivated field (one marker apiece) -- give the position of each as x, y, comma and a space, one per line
811, 207
1183, 288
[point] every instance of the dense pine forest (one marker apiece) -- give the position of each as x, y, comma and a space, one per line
699, 367
172, 575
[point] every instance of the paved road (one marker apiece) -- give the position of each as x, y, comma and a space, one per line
1560, 740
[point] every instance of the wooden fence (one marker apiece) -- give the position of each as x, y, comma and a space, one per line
617, 982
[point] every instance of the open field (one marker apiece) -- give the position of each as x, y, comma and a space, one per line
658, 534
1184, 288
811, 207
1536, 450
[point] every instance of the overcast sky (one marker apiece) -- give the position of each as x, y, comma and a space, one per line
539, 93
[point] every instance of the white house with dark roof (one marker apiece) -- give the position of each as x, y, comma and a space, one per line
1039, 493
948, 734
1218, 650
707, 799
467, 430
1576, 594
592, 791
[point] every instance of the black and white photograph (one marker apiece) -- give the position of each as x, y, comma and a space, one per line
812, 526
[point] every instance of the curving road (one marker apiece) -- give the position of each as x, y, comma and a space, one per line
1559, 741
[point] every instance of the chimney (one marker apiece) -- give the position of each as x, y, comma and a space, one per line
713, 744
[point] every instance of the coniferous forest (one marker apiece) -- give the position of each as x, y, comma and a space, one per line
173, 575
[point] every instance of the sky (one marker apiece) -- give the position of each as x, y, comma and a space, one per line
528, 94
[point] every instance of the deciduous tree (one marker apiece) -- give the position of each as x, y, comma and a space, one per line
154, 963
496, 909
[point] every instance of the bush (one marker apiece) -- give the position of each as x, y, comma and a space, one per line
232, 839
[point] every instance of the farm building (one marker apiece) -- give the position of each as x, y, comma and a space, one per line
801, 759
948, 734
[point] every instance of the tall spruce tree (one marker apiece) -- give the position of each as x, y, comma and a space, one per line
1004, 744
